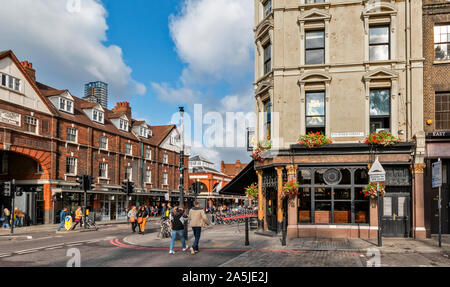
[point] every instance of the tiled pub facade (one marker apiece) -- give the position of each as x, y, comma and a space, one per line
45, 143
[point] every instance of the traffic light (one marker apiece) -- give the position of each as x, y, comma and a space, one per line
80, 180
128, 187
19, 191
89, 182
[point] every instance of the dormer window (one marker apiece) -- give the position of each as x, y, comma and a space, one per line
65, 105
143, 132
97, 116
150, 133
123, 125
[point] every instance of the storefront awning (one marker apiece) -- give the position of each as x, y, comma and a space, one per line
245, 178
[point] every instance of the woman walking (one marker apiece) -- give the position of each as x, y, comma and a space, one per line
78, 217
177, 225
132, 214
142, 216
7, 217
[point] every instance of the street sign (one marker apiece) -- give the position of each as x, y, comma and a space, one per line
68, 222
436, 174
377, 172
166, 197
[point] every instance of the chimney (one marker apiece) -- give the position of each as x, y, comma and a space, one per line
123, 107
222, 166
29, 69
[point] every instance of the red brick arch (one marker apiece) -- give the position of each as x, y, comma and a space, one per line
42, 157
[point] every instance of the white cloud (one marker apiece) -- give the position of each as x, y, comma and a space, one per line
66, 45
215, 37
175, 96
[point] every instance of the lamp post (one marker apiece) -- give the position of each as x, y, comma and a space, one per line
182, 167
378, 174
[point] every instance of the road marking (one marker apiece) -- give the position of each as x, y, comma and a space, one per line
51, 248
94, 241
5, 255
26, 252
76, 244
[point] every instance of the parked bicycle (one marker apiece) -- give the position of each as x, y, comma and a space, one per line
165, 230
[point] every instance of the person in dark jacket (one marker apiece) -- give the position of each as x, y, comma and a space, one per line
177, 219
62, 218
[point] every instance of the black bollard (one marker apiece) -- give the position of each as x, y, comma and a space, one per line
284, 231
247, 243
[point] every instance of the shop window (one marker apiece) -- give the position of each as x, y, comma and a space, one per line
442, 111
361, 176
304, 205
304, 176
379, 43
362, 211
4, 163
343, 212
315, 112
380, 109
315, 47
322, 193
342, 193
322, 213
442, 42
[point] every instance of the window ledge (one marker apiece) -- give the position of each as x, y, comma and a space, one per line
441, 62
104, 178
70, 174
267, 75
380, 62
315, 5
12, 90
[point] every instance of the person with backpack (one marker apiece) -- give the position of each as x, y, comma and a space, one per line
132, 214
142, 216
177, 218
197, 219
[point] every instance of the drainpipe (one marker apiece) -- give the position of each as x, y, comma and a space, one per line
408, 67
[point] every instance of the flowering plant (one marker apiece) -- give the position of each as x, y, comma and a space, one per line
384, 138
371, 189
314, 140
290, 190
252, 191
261, 147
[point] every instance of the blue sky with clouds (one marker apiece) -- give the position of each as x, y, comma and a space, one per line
155, 54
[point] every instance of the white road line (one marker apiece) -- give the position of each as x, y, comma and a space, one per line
38, 248
5, 255
94, 241
26, 252
51, 248
76, 244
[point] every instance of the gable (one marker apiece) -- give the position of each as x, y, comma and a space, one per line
166, 144
27, 96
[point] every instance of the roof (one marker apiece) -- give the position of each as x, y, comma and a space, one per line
232, 169
203, 169
238, 184
199, 158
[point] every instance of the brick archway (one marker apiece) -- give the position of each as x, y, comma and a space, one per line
41, 157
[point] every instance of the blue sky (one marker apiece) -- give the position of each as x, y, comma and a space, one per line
157, 55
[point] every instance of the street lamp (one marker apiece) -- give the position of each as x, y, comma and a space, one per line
182, 167
378, 174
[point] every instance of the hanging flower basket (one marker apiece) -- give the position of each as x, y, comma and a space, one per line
290, 190
383, 138
371, 190
252, 191
312, 140
261, 148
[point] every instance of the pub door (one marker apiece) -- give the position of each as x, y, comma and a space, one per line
445, 197
396, 214
271, 209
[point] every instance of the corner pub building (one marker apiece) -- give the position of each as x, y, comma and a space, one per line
49, 136
346, 69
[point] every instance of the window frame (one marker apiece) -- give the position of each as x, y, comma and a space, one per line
267, 61
165, 178
129, 175
267, 118
28, 124
148, 153
437, 127
389, 43
315, 49
106, 143
69, 135
68, 164
267, 9
324, 116
128, 149
165, 158
441, 43
148, 176
378, 118
104, 169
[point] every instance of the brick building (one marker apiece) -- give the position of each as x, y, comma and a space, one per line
49, 136
436, 40
232, 169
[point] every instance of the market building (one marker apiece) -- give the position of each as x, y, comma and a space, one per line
50, 136
206, 182
436, 40
345, 69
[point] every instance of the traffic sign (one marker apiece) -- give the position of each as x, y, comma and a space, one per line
436, 174
68, 222
377, 172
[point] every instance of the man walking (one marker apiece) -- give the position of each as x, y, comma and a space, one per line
62, 218
197, 219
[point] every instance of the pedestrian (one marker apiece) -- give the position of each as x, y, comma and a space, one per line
7, 217
62, 218
176, 223
142, 216
197, 219
78, 217
168, 209
132, 214
18, 217
163, 211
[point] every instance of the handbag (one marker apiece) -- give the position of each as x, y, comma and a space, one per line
132, 219
140, 219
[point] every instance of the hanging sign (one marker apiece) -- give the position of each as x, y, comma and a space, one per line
377, 172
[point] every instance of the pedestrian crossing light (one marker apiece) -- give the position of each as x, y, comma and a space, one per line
128, 187
80, 180
7, 188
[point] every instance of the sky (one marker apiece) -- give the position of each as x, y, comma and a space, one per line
157, 55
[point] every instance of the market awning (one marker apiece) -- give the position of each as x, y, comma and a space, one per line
246, 177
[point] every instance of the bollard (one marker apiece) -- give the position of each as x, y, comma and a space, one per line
247, 243
284, 231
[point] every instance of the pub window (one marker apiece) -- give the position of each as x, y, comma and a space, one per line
442, 111
267, 118
315, 112
31, 124
379, 43
332, 196
267, 7
442, 42
103, 170
315, 47
71, 165
71, 134
267, 58
380, 109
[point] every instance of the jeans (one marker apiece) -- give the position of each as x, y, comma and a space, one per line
18, 222
174, 236
197, 231
61, 225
